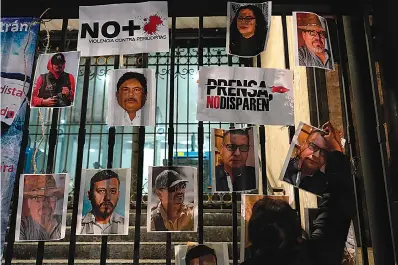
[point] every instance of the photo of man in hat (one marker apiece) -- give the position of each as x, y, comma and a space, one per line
313, 41
39, 219
172, 210
56, 88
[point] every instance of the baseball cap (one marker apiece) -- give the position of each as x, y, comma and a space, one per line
58, 58
167, 179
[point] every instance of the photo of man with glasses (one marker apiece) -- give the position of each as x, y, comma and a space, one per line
233, 171
306, 168
42, 210
131, 98
173, 199
313, 42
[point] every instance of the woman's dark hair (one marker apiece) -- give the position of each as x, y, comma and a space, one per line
273, 227
260, 32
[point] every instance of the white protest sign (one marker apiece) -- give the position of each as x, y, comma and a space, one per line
246, 95
12, 96
123, 29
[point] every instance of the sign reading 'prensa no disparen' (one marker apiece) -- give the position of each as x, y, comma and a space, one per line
246, 95
123, 29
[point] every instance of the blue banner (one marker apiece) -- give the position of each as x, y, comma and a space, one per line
18, 44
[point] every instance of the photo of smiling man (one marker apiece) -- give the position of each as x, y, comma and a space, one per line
172, 202
312, 41
104, 202
131, 97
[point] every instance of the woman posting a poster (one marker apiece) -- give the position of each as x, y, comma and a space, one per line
247, 31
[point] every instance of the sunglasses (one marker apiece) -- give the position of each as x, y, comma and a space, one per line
180, 186
42, 199
234, 147
314, 33
314, 148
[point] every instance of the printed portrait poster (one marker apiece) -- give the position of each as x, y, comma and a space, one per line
305, 162
131, 97
246, 95
172, 190
42, 205
248, 28
235, 160
209, 254
104, 202
55, 80
248, 201
15, 36
312, 46
129, 28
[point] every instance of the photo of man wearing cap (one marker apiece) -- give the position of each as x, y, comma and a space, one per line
173, 199
42, 208
55, 80
313, 47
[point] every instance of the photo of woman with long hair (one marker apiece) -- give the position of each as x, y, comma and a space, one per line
247, 32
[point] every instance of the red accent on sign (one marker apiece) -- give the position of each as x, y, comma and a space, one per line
279, 89
151, 27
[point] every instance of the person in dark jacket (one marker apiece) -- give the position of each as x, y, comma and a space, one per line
275, 231
55, 88
233, 174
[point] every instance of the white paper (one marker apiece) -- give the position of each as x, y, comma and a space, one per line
117, 115
129, 28
120, 208
268, 99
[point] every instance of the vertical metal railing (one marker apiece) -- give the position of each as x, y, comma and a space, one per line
171, 120
137, 225
200, 143
79, 161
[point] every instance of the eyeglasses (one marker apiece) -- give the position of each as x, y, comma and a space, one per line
233, 147
41, 199
314, 148
180, 186
245, 19
314, 33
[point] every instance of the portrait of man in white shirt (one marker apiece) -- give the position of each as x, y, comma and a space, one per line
130, 96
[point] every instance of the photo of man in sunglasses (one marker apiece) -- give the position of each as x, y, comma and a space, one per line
232, 174
172, 212
307, 168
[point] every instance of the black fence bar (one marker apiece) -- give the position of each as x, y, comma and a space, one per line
111, 147
234, 202
291, 128
262, 148
350, 136
79, 162
171, 120
138, 204
20, 170
52, 140
200, 143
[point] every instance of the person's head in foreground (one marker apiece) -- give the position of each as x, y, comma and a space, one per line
104, 194
235, 149
132, 92
42, 194
313, 33
274, 228
170, 189
249, 22
200, 255
313, 151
